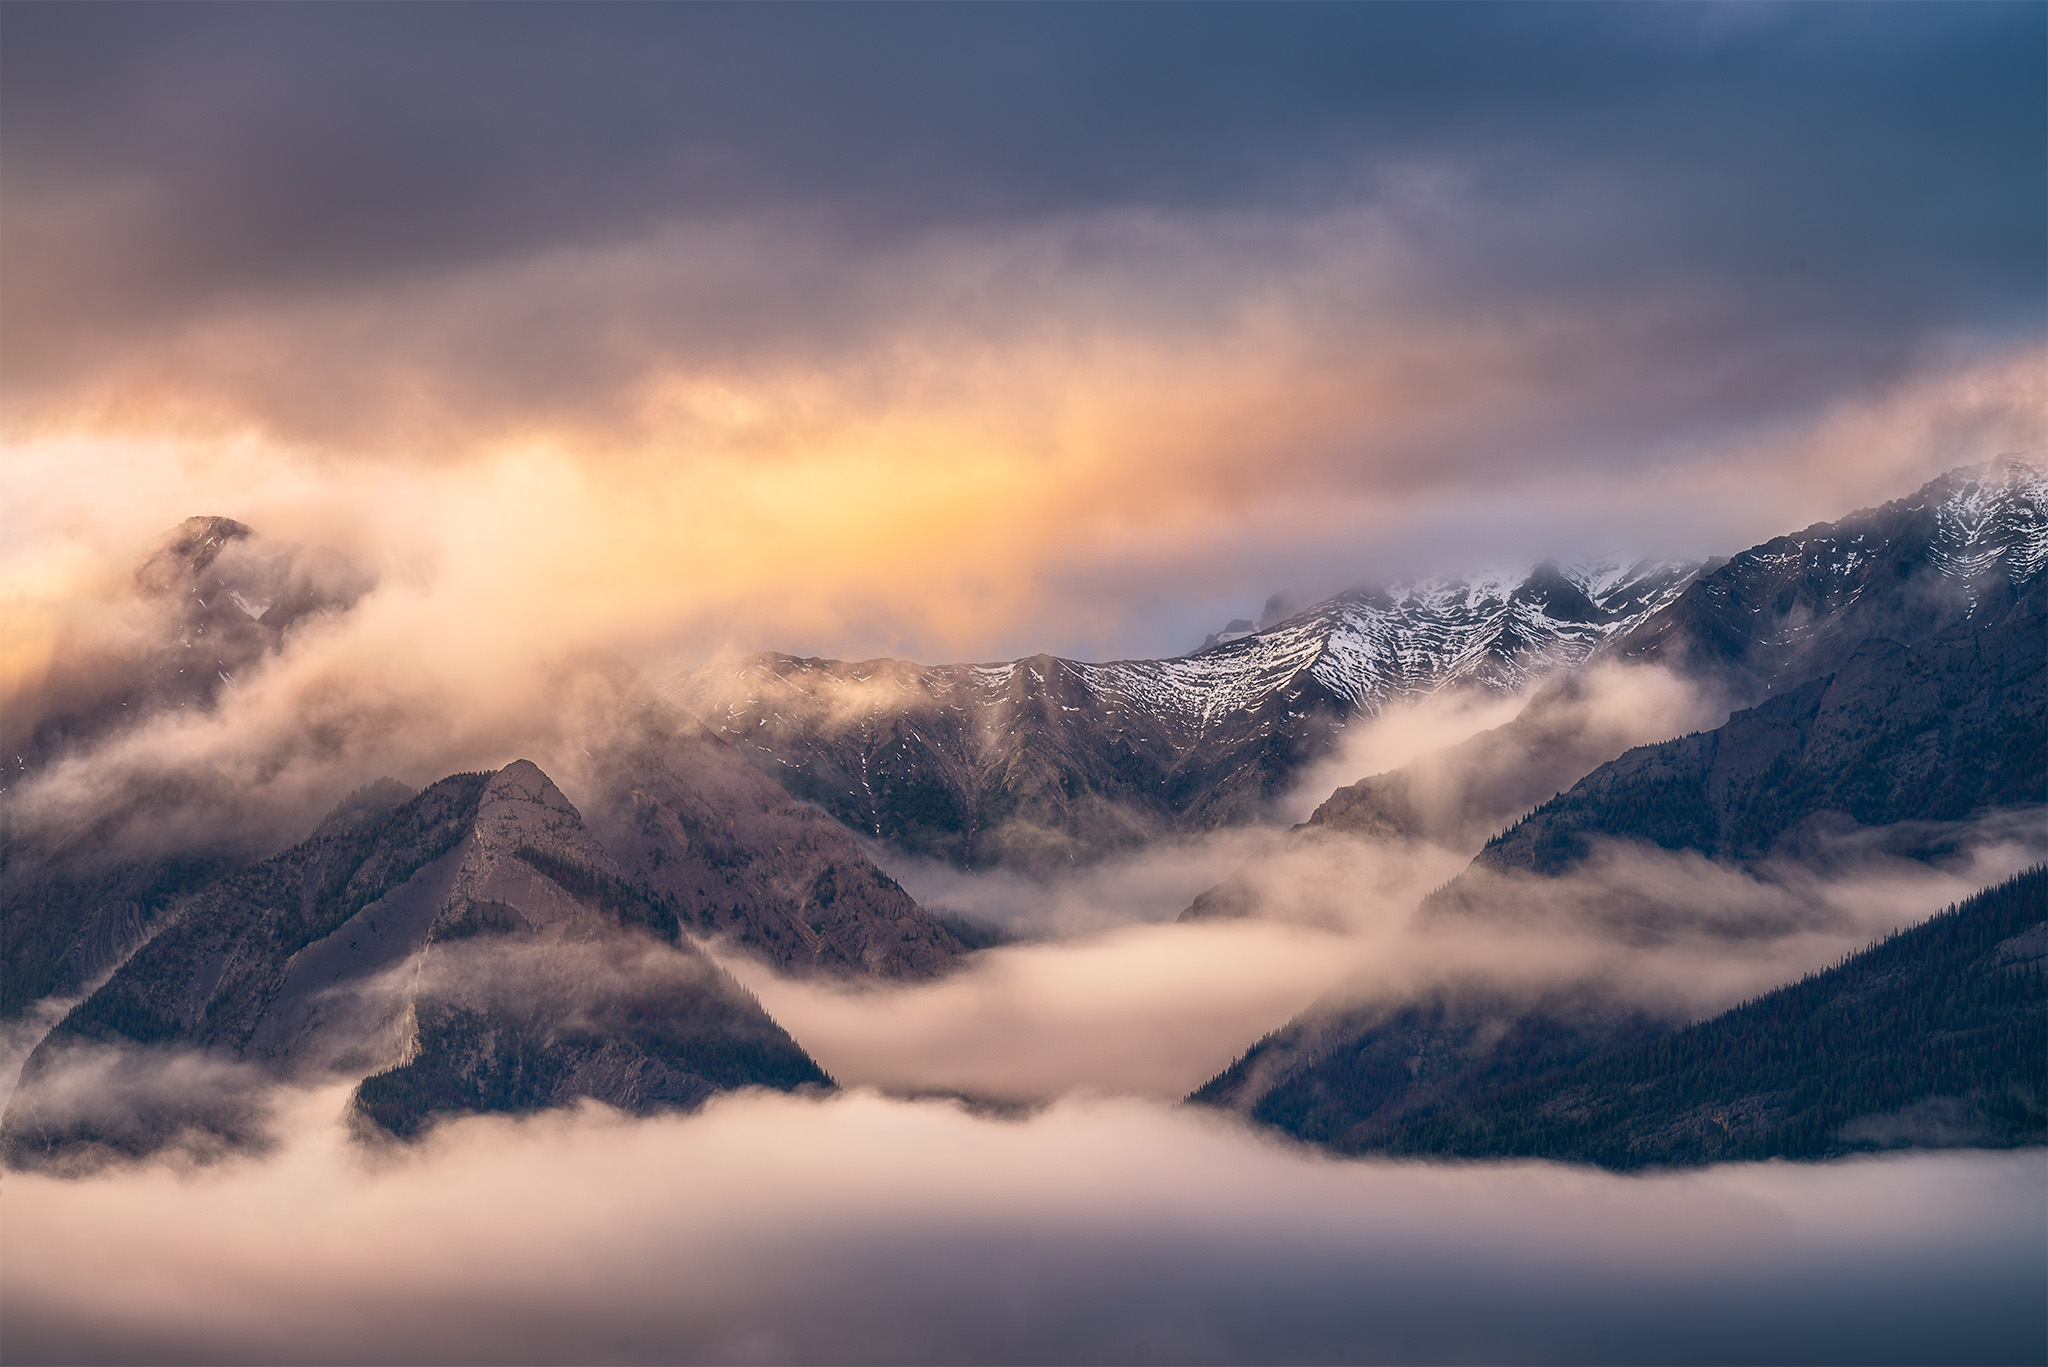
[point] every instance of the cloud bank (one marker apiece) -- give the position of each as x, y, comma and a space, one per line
863, 1230
969, 335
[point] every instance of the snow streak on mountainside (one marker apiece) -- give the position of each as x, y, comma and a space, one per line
1050, 760
1371, 645
1997, 521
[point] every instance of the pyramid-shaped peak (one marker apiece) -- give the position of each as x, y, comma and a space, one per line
524, 781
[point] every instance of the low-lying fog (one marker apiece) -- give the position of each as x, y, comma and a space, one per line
1115, 997
862, 1229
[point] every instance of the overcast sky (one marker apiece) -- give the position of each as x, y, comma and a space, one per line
976, 330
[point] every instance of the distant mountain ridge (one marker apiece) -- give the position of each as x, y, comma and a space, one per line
1049, 761
1957, 557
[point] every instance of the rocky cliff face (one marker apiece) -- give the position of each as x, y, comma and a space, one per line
1046, 762
739, 859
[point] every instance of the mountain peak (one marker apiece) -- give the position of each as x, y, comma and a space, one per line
1797, 606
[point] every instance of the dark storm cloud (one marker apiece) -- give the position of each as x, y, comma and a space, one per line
1887, 155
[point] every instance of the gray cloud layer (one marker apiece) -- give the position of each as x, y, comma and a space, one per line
294, 144
1866, 174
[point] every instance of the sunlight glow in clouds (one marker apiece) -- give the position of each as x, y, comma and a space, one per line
1001, 519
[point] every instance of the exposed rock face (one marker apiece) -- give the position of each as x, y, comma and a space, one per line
476, 944
1046, 762
738, 858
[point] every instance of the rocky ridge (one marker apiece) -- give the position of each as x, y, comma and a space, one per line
1048, 761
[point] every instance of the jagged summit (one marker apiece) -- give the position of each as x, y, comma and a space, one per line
1497, 630
188, 550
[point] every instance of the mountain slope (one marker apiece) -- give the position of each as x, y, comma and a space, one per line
1937, 1035
1908, 745
1937, 731
737, 858
1047, 761
1349, 1077
1902, 743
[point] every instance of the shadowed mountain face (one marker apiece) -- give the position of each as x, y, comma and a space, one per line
1047, 762
1935, 732
729, 852
1937, 1036
1351, 1078
474, 948
737, 858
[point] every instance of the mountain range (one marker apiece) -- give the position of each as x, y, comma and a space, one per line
476, 947
1902, 742
1046, 762
486, 944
